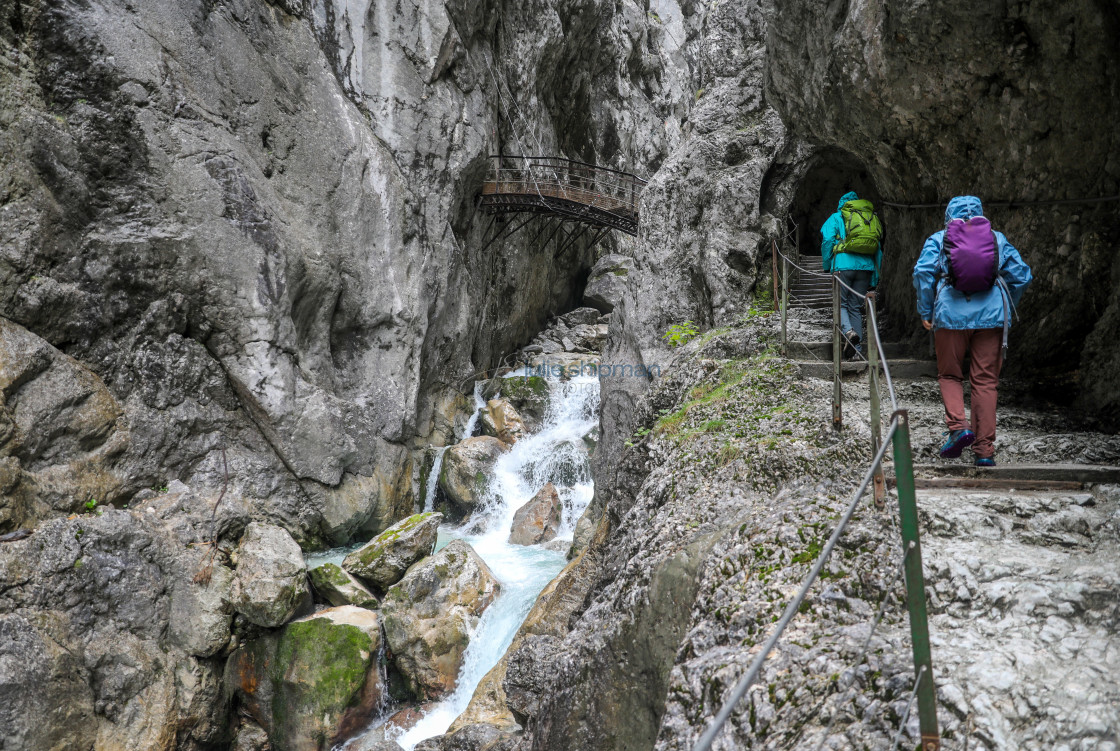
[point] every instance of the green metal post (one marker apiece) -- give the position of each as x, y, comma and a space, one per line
915, 583
879, 484
785, 304
837, 351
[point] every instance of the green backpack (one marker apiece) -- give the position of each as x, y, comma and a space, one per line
862, 228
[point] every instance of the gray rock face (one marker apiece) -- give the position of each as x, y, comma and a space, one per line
383, 560
201, 612
89, 650
539, 519
339, 588
271, 581
464, 475
62, 433
430, 614
267, 245
607, 284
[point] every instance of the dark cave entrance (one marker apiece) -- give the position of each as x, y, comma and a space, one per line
831, 174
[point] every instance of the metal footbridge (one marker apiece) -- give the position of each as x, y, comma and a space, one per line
561, 191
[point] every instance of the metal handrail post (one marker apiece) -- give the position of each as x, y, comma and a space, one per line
837, 351
915, 583
880, 487
774, 274
785, 305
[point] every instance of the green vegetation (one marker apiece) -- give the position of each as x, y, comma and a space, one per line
91, 504
680, 333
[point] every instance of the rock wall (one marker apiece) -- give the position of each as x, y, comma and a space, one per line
1010, 101
254, 222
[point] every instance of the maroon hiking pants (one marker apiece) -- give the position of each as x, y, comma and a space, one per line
983, 375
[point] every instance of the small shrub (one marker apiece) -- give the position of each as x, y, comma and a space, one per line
680, 333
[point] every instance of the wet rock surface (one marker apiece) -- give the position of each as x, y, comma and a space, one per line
430, 613
501, 420
385, 559
539, 519
464, 475
314, 682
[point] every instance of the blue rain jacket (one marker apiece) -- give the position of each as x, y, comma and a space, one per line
951, 309
832, 232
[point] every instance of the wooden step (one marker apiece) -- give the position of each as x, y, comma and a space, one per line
1056, 477
900, 369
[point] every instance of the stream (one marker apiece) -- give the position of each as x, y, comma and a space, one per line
556, 453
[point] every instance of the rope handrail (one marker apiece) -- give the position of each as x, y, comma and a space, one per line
898, 433
1007, 204
755, 668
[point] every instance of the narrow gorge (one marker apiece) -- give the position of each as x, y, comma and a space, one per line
381, 376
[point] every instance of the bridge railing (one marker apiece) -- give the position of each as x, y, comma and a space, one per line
601, 188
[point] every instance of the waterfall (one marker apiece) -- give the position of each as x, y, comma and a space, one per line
437, 462
557, 454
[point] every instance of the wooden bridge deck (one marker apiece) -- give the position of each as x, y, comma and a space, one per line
595, 196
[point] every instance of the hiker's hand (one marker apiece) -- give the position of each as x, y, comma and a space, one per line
928, 325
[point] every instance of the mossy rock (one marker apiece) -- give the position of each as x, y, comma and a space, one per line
465, 474
315, 682
530, 396
339, 587
383, 560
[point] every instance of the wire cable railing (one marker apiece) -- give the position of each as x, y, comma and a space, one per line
897, 436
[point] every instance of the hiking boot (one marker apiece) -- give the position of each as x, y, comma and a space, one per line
958, 441
851, 346
985, 461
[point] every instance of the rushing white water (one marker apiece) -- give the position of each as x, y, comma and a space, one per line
556, 454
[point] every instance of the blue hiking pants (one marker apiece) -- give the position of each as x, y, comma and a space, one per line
851, 306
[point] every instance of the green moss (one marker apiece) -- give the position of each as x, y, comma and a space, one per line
319, 670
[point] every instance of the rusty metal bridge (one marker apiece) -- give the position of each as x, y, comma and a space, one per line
562, 191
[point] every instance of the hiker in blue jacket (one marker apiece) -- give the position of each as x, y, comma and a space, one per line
975, 323
859, 271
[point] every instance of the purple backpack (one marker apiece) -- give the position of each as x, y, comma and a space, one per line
972, 254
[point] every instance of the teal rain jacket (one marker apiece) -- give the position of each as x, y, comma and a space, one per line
951, 309
832, 232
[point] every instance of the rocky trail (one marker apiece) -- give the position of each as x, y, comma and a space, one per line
1021, 574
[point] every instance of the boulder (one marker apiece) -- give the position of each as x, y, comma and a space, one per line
315, 682
581, 316
339, 588
384, 559
465, 474
607, 283
529, 396
538, 520
271, 582
429, 615
201, 611
502, 421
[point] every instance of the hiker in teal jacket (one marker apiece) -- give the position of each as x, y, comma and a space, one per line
860, 272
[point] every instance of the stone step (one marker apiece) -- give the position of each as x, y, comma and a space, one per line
1057, 477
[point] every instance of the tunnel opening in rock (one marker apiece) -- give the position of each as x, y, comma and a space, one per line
832, 173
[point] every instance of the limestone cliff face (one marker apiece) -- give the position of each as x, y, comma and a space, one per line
253, 222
